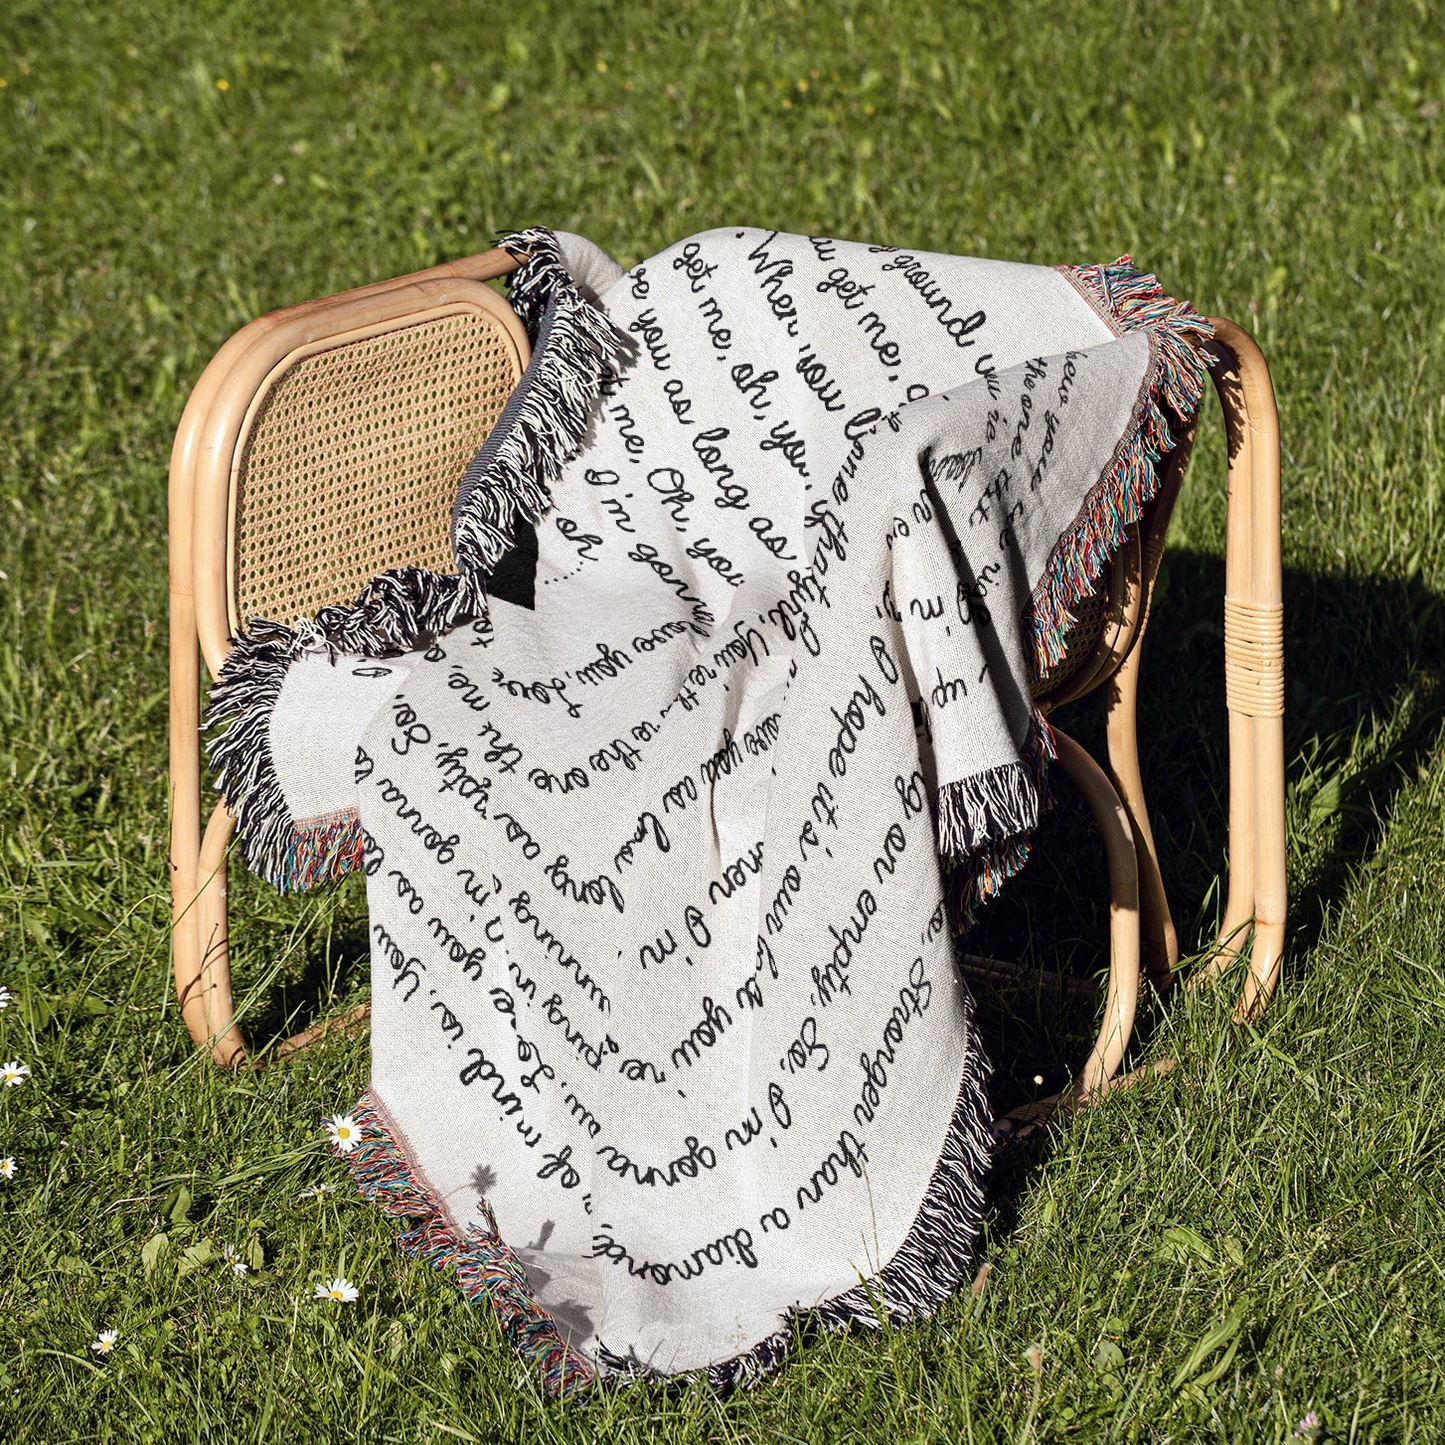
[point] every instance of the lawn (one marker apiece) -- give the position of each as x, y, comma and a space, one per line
1245, 1249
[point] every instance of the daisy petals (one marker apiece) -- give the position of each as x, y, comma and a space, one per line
345, 1132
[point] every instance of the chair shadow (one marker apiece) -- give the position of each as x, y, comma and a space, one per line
1365, 703
322, 942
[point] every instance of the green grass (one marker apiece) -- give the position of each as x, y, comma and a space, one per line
1251, 1237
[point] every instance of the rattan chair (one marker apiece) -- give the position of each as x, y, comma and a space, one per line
324, 443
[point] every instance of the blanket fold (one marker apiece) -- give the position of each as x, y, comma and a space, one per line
658, 849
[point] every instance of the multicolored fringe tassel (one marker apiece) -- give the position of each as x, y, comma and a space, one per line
985, 822
1129, 300
485, 1267
323, 850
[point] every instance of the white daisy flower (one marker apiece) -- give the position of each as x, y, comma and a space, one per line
228, 1253
14, 1072
319, 1192
104, 1342
341, 1290
7, 1167
6, 998
345, 1132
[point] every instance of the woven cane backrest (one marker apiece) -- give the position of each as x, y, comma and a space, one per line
352, 456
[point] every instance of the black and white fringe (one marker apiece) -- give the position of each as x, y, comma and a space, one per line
974, 874
996, 803
396, 612
542, 427
236, 728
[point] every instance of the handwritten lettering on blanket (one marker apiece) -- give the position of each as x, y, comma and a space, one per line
657, 911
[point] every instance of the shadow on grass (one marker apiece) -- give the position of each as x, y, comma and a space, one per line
299, 959
319, 992
1365, 704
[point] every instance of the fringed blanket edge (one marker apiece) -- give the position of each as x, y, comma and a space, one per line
540, 429
984, 821
485, 1267
1129, 300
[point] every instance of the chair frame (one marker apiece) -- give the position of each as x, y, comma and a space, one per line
205, 460
1256, 903
204, 464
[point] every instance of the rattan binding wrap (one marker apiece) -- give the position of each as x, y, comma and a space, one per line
1254, 657
352, 459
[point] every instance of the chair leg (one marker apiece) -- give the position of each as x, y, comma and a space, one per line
228, 1048
197, 866
1123, 995
1235, 930
213, 980
185, 801
1159, 939
1271, 895
200, 943
1253, 668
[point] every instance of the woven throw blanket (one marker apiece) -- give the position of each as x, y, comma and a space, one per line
662, 797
